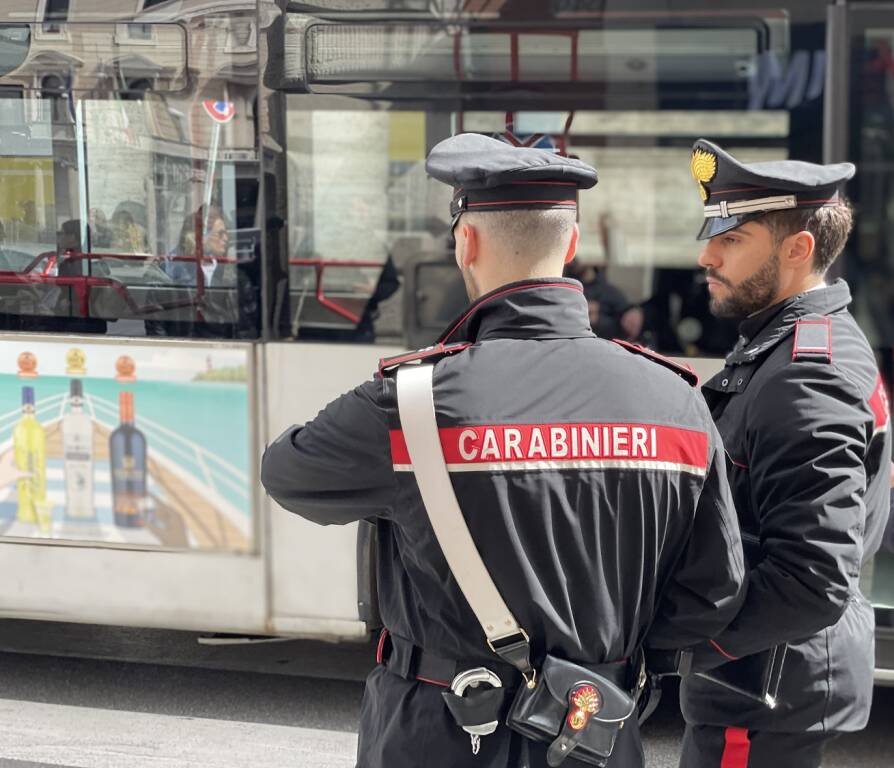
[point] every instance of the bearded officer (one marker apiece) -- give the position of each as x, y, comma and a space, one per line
590, 476
804, 418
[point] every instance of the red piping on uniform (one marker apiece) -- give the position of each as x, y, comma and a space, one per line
525, 287
738, 464
524, 202
436, 349
829, 323
736, 748
737, 189
442, 683
380, 648
723, 653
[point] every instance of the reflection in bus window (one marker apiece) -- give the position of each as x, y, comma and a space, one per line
359, 196
106, 148
629, 97
371, 213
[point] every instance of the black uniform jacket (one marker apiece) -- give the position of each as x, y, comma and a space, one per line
808, 449
593, 483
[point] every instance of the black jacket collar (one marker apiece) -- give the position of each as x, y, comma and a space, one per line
767, 328
544, 308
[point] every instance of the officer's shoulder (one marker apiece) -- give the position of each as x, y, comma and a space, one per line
680, 369
389, 365
812, 339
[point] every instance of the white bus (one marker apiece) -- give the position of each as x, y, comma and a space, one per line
214, 218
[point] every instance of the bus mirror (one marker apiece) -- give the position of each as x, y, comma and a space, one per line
15, 40
93, 56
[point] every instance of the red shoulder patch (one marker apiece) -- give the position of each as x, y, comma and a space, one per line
388, 364
681, 369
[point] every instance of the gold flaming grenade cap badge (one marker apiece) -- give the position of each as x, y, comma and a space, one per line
703, 167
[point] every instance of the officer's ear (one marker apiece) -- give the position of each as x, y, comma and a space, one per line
470, 245
797, 249
572, 246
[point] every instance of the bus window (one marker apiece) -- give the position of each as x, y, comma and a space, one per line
626, 93
15, 40
128, 202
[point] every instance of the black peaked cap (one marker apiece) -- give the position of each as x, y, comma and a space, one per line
734, 192
490, 175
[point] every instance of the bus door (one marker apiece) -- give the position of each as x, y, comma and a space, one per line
860, 128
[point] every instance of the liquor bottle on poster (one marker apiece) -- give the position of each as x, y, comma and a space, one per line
127, 455
77, 448
30, 448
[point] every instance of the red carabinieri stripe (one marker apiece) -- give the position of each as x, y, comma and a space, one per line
641, 444
736, 748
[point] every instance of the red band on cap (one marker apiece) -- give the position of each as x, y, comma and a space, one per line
524, 202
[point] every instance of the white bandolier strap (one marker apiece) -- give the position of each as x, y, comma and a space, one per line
416, 407
726, 209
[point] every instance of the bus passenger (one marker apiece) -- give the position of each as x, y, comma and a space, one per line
589, 474
804, 418
215, 244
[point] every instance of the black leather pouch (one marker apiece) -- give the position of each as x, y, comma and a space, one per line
575, 710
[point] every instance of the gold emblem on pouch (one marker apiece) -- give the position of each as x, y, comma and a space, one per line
585, 701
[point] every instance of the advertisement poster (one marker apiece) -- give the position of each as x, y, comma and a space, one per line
125, 444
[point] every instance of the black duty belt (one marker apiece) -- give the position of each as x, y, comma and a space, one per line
404, 659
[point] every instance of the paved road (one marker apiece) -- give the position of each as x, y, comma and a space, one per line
74, 712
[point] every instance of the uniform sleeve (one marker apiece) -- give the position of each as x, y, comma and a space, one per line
806, 441
336, 468
706, 589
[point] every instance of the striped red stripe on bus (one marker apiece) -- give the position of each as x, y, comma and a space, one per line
532, 445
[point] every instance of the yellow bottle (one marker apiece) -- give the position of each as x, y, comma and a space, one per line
30, 446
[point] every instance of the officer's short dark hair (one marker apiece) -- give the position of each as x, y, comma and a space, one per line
829, 225
535, 233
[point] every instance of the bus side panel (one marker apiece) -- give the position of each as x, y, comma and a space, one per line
314, 572
169, 590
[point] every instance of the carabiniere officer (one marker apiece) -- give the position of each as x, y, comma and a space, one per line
804, 418
589, 474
